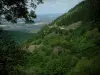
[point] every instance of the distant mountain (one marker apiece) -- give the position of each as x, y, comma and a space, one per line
47, 18
40, 21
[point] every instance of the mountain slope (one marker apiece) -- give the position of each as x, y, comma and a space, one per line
68, 46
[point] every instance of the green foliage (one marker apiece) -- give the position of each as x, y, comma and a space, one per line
74, 54
17, 8
79, 13
94, 10
10, 54
63, 52
86, 67
21, 37
67, 52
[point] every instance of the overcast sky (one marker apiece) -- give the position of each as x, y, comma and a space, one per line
56, 6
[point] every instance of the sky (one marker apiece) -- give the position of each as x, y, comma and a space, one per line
56, 6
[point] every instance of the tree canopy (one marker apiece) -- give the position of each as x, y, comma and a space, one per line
18, 8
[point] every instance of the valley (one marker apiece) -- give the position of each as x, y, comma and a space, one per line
21, 31
56, 44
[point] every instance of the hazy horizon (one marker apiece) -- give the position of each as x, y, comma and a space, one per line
56, 6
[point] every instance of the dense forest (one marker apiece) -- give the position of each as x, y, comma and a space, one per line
70, 45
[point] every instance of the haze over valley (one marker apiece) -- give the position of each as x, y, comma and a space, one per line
39, 22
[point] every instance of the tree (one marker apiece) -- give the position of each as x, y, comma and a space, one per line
94, 9
17, 8
11, 54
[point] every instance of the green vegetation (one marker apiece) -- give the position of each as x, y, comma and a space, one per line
79, 13
11, 55
68, 46
18, 9
21, 37
64, 48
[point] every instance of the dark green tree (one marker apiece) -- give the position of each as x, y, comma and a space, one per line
11, 54
17, 8
94, 9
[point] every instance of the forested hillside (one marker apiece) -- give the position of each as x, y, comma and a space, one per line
70, 45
